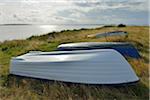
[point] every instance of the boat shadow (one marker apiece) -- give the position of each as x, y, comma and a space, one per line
19, 80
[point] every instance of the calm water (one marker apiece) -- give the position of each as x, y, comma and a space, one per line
10, 32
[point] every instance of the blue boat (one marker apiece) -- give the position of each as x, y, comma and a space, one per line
126, 49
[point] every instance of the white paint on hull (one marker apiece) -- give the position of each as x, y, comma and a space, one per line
104, 66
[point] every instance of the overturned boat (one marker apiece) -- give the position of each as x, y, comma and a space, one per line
126, 49
101, 66
108, 34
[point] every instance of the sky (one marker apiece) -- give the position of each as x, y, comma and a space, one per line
131, 12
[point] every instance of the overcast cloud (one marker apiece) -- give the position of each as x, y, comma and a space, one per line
74, 12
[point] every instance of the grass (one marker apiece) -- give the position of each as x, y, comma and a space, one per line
22, 88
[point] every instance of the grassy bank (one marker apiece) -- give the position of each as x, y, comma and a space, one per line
21, 88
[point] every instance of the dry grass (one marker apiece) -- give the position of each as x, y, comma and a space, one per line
21, 88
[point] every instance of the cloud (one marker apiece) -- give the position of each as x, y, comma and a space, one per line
74, 12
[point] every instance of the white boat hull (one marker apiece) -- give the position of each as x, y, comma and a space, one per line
104, 66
